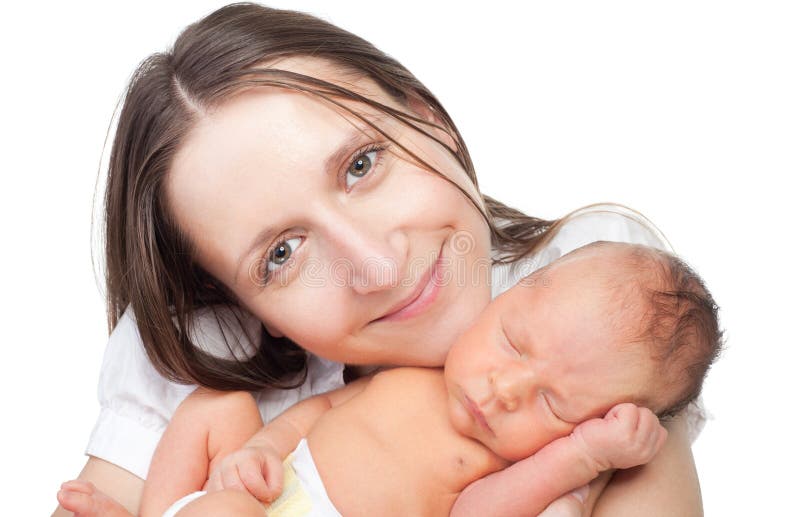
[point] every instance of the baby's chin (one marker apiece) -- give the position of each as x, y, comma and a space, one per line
506, 452
510, 448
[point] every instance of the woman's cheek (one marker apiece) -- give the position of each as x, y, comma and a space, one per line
308, 315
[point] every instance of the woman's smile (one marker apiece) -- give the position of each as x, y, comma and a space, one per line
422, 297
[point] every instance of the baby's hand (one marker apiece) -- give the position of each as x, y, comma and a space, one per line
257, 470
626, 437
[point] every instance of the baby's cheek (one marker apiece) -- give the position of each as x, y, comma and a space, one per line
460, 419
516, 444
531, 432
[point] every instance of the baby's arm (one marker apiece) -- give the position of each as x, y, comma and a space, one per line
256, 467
206, 427
627, 436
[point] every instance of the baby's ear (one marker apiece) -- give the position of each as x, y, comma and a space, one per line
423, 111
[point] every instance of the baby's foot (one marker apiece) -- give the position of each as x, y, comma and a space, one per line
83, 499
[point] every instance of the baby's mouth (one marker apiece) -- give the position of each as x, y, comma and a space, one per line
477, 414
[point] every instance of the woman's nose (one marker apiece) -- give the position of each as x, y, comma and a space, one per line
512, 385
370, 255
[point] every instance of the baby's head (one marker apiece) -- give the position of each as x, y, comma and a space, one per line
605, 324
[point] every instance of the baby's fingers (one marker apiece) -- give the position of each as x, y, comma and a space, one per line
253, 481
659, 437
214, 483
273, 473
652, 443
625, 413
646, 440
231, 478
649, 429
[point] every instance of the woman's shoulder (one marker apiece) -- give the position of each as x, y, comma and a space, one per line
220, 331
605, 222
136, 402
601, 222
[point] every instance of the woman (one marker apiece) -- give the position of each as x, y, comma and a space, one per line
276, 166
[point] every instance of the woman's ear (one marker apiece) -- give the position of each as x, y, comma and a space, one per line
272, 332
423, 111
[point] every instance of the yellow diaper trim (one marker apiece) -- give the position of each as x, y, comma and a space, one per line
294, 501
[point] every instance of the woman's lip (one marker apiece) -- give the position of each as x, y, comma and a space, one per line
423, 296
476, 413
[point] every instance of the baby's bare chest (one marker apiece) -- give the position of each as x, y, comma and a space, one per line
392, 451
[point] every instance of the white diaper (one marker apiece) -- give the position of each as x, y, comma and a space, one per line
303, 493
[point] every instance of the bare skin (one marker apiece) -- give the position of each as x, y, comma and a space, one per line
676, 458
519, 398
117, 483
418, 213
671, 475
363, 441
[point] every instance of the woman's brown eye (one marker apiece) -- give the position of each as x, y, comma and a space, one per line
281, 253
360, 167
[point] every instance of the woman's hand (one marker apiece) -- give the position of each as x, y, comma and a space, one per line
568, 505
257, 470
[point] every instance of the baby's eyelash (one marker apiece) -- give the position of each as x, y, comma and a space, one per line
510, 343
548, 405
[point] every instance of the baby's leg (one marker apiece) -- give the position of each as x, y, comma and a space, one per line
206, 427
226, 502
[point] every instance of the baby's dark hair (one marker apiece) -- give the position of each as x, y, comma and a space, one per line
679, 321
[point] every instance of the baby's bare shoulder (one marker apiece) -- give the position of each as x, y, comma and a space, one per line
411, 382
409, 375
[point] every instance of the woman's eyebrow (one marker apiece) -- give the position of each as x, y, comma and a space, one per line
332, 162
344, 148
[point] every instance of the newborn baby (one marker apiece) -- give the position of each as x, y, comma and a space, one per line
566, 371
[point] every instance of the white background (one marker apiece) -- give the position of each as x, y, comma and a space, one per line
687, 110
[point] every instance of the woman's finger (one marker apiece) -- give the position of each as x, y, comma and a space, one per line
568, 505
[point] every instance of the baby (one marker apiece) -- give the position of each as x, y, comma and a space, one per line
572, 364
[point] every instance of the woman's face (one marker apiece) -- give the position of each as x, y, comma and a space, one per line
327, 231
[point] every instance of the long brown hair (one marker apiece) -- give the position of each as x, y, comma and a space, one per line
149, 260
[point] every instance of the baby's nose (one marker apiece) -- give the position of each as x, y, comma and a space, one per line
511, 385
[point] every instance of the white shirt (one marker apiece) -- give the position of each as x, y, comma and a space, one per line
137, 402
